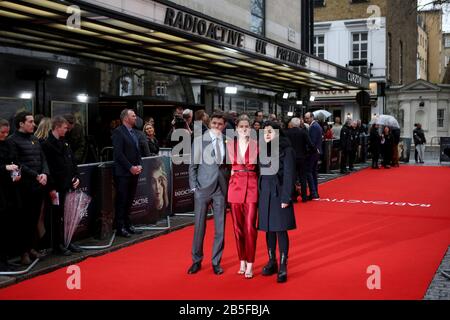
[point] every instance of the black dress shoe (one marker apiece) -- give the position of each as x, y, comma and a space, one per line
75, 248
217, 269
123, 233
196, 266
63, 251
133, 230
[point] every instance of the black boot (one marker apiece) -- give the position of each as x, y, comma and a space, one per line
282, 274
271, 267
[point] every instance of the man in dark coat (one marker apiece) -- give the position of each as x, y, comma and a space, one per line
302, 145
63, 177
126, 170
34, 171
349, 144
315, 134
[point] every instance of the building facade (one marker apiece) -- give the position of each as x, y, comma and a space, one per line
436, 59
372, 38
446, 53
422, 50
421, 102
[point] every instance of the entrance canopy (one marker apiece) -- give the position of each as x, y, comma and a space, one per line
164, 37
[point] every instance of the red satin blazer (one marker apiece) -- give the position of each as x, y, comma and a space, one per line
243, 186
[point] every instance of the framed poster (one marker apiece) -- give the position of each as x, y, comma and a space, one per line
9, 107
77, 109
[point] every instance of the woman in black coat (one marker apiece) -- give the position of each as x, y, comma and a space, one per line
152, 142
375, 145
9, 194
276, 188
387, 141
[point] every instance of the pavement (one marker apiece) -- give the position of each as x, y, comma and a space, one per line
439, 288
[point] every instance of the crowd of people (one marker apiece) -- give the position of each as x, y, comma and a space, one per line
37, 169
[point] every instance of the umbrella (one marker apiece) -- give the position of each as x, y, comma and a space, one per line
387, 120
75, 209
323, 114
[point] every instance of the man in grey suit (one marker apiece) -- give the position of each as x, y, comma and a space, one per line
208, 179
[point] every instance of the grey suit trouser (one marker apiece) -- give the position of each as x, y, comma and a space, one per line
201, 206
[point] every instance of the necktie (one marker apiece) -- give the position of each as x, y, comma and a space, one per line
135, 139
217, 152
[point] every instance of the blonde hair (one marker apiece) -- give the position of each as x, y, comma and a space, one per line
43, 129
148, 124
243, 117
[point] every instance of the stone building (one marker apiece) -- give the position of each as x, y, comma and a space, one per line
377, 38
436, 59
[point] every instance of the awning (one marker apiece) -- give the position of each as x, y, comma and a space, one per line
167, 38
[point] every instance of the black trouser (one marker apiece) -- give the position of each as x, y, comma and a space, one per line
375, 157
58, 222
32, 198
312, 174
387, 156
301, 176
344, 159
125, 192
283, 241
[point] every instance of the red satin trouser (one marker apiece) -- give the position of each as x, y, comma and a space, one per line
244, 223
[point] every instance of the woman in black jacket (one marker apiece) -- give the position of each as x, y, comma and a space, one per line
9, 195
153, 144
276, 187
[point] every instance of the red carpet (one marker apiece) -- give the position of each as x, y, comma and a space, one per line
397, 219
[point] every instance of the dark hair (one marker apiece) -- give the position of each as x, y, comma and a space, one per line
218, 115
179, 123
37, 118
21, 117
256, 113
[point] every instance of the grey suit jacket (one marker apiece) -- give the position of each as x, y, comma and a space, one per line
204, 176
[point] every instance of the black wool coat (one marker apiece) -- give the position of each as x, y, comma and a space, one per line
276, 189
61, 163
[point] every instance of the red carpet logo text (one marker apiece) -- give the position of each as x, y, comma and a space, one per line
376, 202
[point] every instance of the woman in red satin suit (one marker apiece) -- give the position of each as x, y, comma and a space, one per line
243, 194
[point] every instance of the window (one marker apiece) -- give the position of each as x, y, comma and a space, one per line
359, 49
447, 42
389, 56
319, 3
440, 118
161, 88
319, 46
400, 67
257, 23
